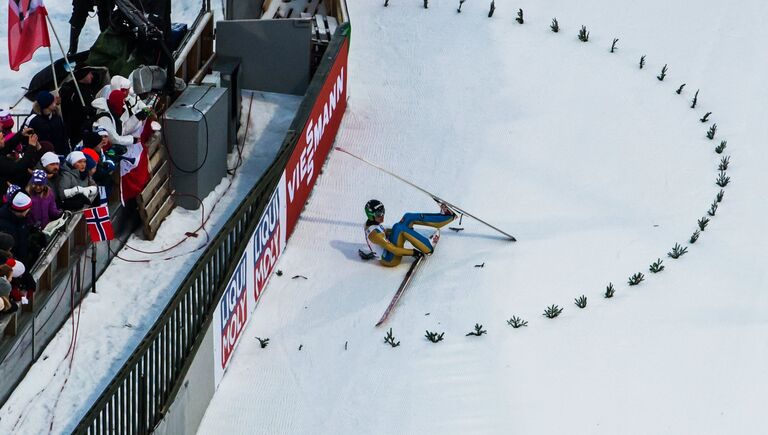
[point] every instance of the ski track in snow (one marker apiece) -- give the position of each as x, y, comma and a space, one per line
598, 169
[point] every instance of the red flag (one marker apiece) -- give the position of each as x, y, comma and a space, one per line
134, 174
27, 30
98, 223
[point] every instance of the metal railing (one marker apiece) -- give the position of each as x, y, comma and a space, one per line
139, 395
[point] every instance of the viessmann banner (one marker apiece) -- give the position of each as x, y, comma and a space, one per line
268, 241
316, 138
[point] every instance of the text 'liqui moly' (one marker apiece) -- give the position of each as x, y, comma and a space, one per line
234, 311
266, 244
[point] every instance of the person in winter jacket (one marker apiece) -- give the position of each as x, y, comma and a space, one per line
109, 120
13, 221
80, 11
44, 207
14, 165
79, 114
73, 186
6, 124
391, 242
6, 304
48, 124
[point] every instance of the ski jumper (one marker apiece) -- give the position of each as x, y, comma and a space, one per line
392, 241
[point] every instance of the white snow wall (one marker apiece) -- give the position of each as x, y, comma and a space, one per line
167, 383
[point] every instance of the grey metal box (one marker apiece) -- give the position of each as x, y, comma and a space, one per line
197, 143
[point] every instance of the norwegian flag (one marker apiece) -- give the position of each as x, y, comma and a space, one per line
99, 225
27, 30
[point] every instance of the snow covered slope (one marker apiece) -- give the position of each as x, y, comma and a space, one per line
597, 168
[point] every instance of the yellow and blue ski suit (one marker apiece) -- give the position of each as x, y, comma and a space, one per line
392, 241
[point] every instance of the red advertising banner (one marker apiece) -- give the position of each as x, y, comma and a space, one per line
316, 138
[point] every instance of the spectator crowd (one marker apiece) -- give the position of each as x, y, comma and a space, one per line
59, 161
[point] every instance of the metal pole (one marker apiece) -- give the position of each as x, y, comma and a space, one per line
66, 59
93, 267
433, 196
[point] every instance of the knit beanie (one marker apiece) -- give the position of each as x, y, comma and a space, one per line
49, 158
45, 147
38, 177
6, 120
12, 189
89, 163
91, 139
115, 101
92, 154
21, 202
6, 241
44, 99
17, 266
74, 157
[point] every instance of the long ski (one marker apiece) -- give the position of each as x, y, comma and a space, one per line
404, 285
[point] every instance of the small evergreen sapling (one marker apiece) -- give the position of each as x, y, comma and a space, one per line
434, 337
703, 222
583, 34
517, 322
493, 8
705, 118
711, 132
519, 18
636, 279
609, 291
478, 331
677, 251
695, 99
680, 89
720, 195
722, 179
555, 26
694, 237
386, 3
263, 342
657, 267
426, 4
552, 311
712, 209
581, 301
720, 148
642, 61
461, 3
724, 162
390, 339
613, 46
663, 74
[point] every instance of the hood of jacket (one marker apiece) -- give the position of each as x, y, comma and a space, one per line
100, 104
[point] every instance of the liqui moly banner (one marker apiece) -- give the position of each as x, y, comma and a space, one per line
268, 240
316, 139
236, 306
231, 317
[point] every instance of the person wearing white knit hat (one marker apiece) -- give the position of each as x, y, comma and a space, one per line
74, 188
50, 158
21, 204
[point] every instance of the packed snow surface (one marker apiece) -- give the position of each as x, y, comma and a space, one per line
596, 166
